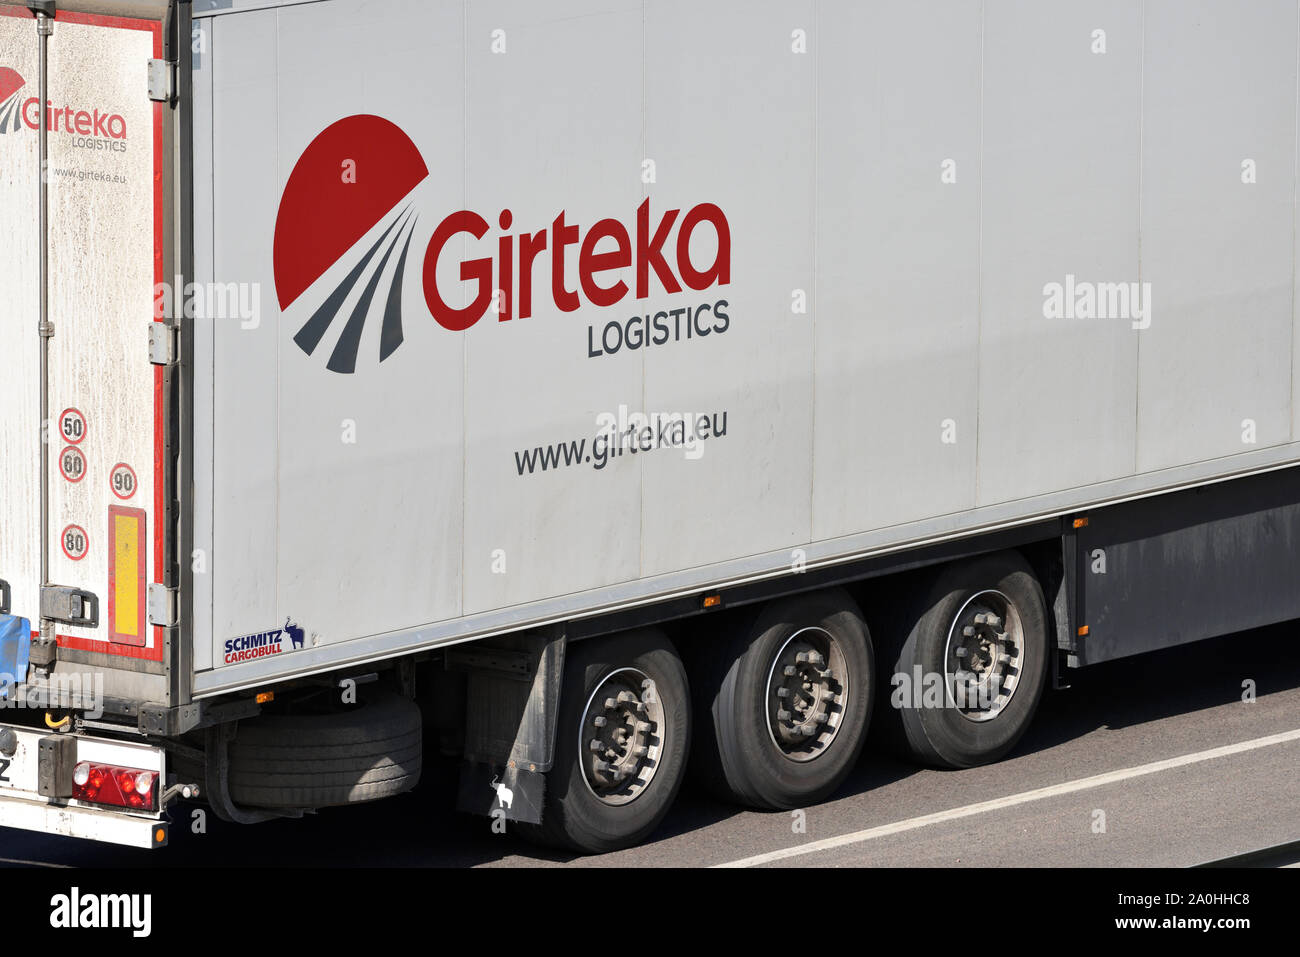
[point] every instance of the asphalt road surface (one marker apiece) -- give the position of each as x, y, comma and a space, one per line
1150, 761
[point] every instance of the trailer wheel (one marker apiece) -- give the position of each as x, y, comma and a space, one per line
787, 710
622, 740
361, 754
979, 644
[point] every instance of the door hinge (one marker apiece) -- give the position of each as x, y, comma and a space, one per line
162, 602
162, 81
72, 606
162, 344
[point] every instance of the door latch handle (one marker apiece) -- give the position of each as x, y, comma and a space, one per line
72, 606
6, 596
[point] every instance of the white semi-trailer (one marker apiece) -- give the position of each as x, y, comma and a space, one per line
583, 385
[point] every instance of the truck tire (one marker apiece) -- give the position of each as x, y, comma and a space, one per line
785, 710
362, 754
978, 639
603, 800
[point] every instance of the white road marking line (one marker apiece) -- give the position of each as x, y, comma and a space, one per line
1025, 797
22, 863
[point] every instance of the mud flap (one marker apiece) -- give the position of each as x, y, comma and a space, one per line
15, 643
512, 794
513, 705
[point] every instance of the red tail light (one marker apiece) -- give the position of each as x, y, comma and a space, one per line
117, 787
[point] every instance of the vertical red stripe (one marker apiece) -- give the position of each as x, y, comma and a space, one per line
159, 259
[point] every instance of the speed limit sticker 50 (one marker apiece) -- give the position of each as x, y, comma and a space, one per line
72, 426
123, 481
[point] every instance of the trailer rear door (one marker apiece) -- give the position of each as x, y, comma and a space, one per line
103, 394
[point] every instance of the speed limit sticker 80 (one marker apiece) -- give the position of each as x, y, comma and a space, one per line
75, 542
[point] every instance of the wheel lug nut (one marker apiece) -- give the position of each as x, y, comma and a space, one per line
968, 631
783, 715
961, 652
783, 692
789, 671
626, 697
599, 721
640, 751
596, 745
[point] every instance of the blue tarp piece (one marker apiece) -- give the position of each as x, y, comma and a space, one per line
15, 643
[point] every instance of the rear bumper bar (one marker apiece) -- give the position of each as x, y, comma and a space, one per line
92, 824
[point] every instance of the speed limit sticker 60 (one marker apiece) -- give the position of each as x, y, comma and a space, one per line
75, 542
123, 481
72, 464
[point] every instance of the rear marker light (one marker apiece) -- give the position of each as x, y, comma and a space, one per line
116, 787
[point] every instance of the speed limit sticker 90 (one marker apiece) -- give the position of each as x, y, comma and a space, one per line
75, 542
123, 481
72, 426
72, 464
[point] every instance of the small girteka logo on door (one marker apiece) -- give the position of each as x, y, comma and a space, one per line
11, 87
94, 129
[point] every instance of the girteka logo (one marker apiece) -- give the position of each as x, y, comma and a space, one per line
11, 87
15, 113
362, 172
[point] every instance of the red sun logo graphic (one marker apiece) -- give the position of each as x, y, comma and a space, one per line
11, 83
351, 178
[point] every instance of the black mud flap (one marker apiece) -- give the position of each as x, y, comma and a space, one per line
513, 705
508, 793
